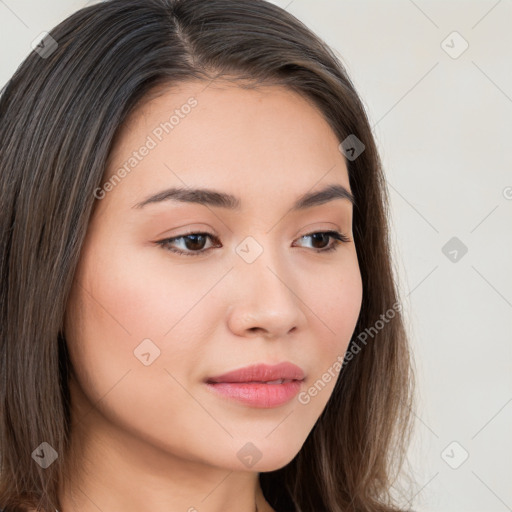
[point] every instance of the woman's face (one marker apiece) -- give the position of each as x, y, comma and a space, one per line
147, 327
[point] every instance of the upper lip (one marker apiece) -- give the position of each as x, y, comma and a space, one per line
261, 373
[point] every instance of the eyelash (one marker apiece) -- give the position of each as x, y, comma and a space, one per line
339, 237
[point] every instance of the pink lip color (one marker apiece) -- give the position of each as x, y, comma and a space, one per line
258, 394
248, 385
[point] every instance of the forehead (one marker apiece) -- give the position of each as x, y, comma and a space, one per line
267, 139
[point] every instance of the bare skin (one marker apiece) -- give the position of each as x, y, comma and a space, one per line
153, 437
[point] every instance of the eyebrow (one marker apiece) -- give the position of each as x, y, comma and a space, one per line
218, 199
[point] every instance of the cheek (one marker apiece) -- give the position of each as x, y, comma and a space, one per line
125, 297
336, 306
113, 308
336, 299
138, 289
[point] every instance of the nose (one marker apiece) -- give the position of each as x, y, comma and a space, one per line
266, 301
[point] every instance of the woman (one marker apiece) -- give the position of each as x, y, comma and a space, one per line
269, 370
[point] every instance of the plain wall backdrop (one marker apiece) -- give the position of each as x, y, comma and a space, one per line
436, 78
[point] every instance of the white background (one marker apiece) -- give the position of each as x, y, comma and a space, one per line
444, 129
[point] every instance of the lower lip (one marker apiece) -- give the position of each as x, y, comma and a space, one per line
257, 394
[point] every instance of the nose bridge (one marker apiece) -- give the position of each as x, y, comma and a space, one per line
264, 263
266, 298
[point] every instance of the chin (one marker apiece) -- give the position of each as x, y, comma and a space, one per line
268, 456
274, 463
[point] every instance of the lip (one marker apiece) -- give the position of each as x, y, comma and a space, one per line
261, 373
250, 386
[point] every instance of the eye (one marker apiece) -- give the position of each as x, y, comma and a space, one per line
320, 236
194, 242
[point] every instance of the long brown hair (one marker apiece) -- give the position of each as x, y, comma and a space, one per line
59, 116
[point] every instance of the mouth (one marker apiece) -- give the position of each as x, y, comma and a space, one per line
260, 386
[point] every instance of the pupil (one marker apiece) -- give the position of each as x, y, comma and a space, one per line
318, 236
195, 237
